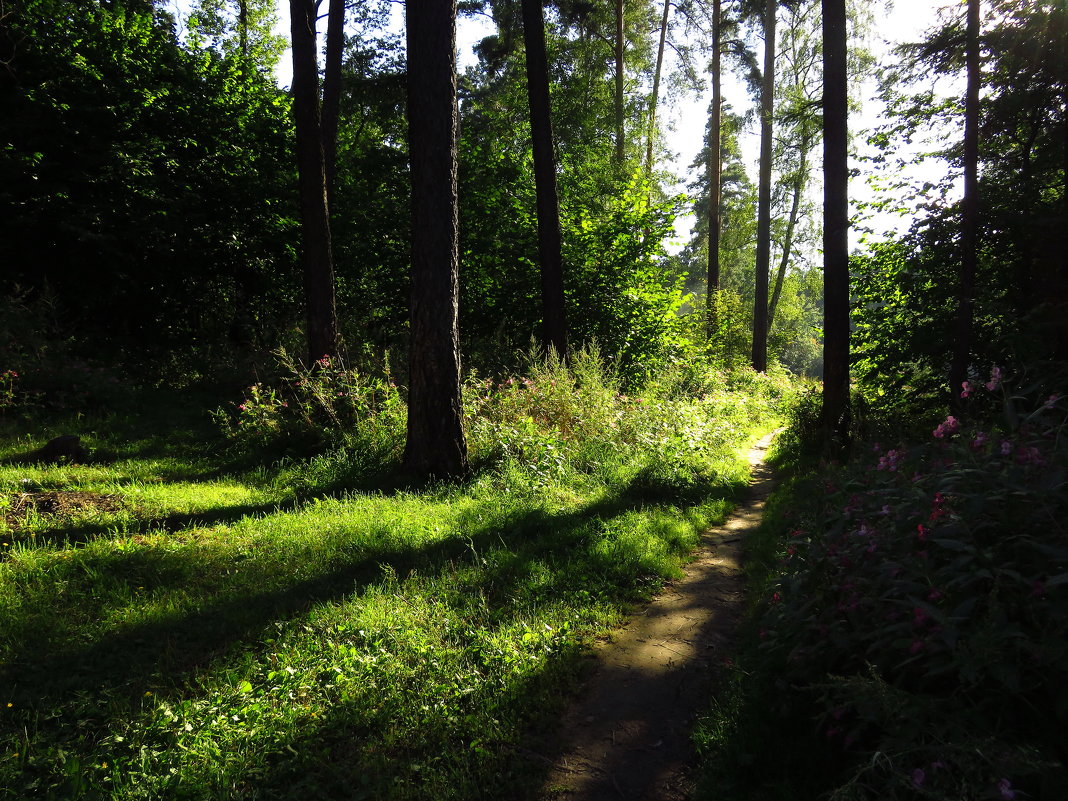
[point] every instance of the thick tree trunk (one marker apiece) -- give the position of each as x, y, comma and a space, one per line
656, 92
962, 339
619, 80
791, 225
554, 322
435, 447
763, 245
715, 167
335, 46
316, 258
835, 422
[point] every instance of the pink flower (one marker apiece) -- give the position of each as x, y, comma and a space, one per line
1005, 788
967, 388
1006, 447
1029, 454
948, 426
241, 407
979, 441
921, 532
995, 379
918, 777
1049, 404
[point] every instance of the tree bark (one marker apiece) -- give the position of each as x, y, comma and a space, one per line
763, 245
435, 447
791, 225
242, 27
619, 80
656, 91
335, 46
835, 413
316, 258
554, 322
962, 339
715, 167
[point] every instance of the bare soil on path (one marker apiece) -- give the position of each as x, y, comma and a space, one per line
628, 736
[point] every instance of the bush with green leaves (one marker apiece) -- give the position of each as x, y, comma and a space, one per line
579, 416
919, 615
310, 408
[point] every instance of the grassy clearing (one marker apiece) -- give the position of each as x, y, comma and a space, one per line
281, 633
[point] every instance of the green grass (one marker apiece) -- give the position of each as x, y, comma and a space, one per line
272, 634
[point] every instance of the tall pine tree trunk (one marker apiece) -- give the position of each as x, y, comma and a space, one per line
335, 46
435, 446
656, 92
619, 80
715, 168
763, 245
554, 324
316, 257
835, 415
962, 339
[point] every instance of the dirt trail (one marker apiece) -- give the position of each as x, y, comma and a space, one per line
628, 737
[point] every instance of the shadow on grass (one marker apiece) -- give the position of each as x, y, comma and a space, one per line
49, 663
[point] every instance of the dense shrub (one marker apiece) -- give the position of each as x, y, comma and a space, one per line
919, 615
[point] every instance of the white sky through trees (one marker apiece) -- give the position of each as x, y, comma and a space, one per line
895, 21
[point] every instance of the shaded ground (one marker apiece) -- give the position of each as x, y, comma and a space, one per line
628, 737
65, 503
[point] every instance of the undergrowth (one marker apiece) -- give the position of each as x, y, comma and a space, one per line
908, 639
312, 628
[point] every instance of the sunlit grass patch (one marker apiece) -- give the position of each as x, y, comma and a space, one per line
281, 633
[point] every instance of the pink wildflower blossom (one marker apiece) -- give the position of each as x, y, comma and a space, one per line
1006, 447
1005, 788
966, 389
995, 379
948, 426
979, 441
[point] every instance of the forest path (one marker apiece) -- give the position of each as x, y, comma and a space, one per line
628, 736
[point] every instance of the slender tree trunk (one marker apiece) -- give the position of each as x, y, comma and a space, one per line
1062, 334
316, 258
791, 225
962, 340
435, 445
619, 80
715, 167
242, 27
656, 92
554, 323
835, 415
335, 46
763, 246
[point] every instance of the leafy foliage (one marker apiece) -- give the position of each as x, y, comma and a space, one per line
913, 615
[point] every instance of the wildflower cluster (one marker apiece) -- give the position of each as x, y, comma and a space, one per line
921, 605
308, 408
